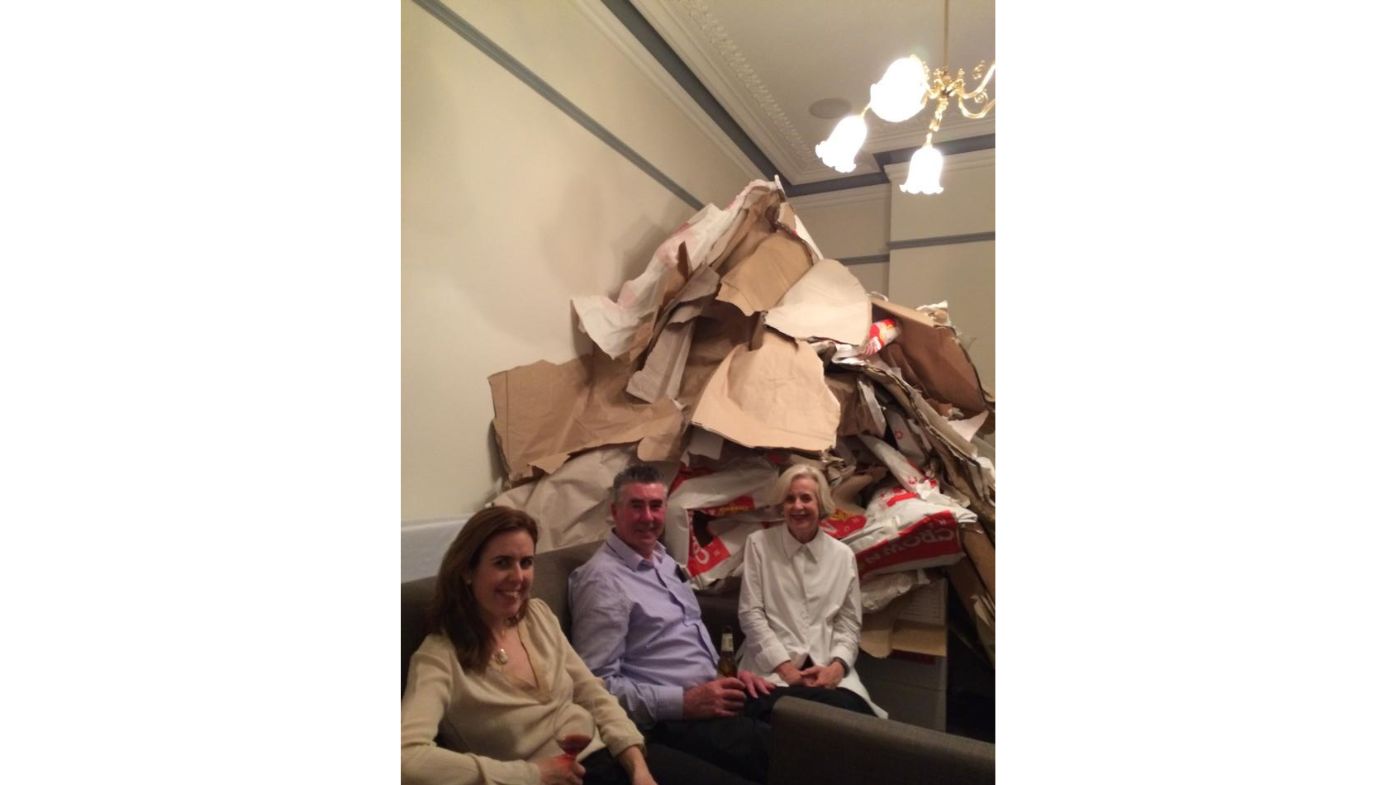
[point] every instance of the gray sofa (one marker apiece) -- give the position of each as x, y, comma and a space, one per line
814, 744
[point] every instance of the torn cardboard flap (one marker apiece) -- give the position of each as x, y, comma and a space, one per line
721, 328
908, 439
758, 282
545, 412
666, 358
826, 302
913, 403
981, 553
976, 600
846, 493
663, 370
612, 324
752, 227
931, 357
855, 417
968, 428
774, 396
704, 444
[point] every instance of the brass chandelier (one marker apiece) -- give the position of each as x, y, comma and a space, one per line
904, 90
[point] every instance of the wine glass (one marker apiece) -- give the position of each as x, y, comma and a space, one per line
573, 729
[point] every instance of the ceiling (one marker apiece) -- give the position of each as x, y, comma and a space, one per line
767, 61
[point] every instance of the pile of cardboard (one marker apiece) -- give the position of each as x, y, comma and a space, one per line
739, 350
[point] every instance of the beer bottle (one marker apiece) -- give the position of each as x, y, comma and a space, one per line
726, 656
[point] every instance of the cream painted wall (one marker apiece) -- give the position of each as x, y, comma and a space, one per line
848, 223
510, 209
965, 207
581, 50
872, 275
961, 273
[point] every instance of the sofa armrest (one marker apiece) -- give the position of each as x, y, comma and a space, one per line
815, 744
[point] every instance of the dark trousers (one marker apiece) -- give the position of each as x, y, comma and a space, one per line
669, 767
837, 697
742, 744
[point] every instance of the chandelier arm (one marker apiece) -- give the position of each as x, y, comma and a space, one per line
983, 83
980, 115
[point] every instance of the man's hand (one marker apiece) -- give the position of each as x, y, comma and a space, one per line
755, 685
827, 676
720, 697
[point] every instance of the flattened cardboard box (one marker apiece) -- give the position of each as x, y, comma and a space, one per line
914, 622
544, 413
826, 302
773, 396
930, 356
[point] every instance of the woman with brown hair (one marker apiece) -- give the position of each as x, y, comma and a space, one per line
500, 686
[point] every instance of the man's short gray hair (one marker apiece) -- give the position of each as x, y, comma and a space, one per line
635, 474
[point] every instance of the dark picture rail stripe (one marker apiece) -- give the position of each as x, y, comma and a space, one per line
953, 147
492, 50
954, 239
877, 257
841, 184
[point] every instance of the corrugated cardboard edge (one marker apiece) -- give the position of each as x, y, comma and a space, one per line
884, 633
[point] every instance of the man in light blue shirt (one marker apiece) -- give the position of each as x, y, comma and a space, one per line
636, 623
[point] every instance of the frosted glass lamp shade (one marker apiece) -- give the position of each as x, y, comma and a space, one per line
902, 90
923, 176
842, 145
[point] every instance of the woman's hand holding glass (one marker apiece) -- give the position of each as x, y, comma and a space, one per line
560, 770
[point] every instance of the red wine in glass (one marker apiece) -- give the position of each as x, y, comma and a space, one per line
572, 744
573, 729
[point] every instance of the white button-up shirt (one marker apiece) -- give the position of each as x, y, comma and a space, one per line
799, 599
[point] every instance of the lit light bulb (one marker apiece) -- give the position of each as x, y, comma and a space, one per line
842, 145
902, 90
923, 176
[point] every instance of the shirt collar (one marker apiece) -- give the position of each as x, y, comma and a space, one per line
791, 546
630, 557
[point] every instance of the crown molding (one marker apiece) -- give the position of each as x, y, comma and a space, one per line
625, 42
735, 83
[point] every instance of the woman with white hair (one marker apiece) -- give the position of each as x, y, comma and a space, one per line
800, 607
